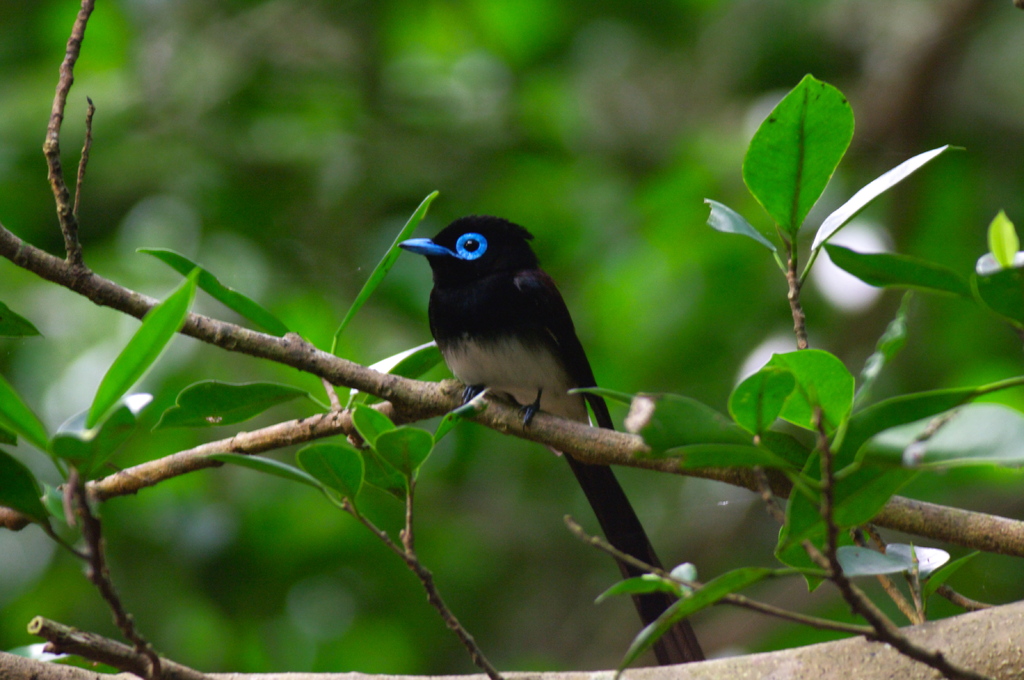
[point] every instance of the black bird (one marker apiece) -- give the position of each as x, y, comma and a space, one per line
501, 323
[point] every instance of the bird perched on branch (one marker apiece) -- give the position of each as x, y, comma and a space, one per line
501, 324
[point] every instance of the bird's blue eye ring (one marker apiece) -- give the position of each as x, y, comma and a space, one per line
470, 246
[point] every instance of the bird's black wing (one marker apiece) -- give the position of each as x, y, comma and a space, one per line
614, 512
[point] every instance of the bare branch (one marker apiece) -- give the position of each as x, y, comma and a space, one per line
51, 147
84, 160
64, 639
99, 574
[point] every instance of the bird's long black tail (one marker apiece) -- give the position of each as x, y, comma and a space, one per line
623, 530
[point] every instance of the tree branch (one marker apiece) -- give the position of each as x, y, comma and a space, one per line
413, 400
51, 146
64, 639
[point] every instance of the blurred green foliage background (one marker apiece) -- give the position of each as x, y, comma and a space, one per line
283, 143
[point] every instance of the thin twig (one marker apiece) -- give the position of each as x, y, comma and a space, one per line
884, 629
51, 146
84, 160
891, 589
408, 555
731, 599
960, 600
794, 283
64, 639
99, 574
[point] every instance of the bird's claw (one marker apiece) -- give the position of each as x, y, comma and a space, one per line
530, 410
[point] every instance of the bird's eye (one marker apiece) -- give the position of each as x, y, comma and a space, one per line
470, 246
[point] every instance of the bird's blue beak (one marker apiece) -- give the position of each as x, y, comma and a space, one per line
424, 246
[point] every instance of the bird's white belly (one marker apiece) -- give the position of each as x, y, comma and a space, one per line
519, 371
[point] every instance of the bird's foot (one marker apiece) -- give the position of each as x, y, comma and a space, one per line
471, 391
530, 410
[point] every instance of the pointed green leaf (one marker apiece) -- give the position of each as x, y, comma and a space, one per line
269, 466
713, 591
821, 380
796, 149
211, 402
725, 219
17, 417
412, 363
870, 192
19, 489
976, 434
1003, 242
944, 573
158, 327
88, 448
229, 297
899, 411
370, 423
886, 270
14, 325
888, 346
7, 436
404, 448
383, 267
757, 401
614, 395
382, 476
668, 421
640, 585
1003, 293
724, 455
336, 466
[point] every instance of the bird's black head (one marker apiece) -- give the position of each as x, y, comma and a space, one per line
471, 248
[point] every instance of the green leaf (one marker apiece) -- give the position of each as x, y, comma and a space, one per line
17, 417
889, 345
382, 476
246, 307
975, 434
19, 489
857, 561
1002, 292
447, 424
886, 270
142, 351
712, 591
14, 325
725, 219
88, 448
412, 363
370, 423
336, 466
269, 466
404, 448
724, 455
796, 149
614, 395
898, 411
858, 497
944, 573
7, 437
870, 192
1003, 242
211, 402
383, 267
668, 421
757, 401
640, 585
821, 380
